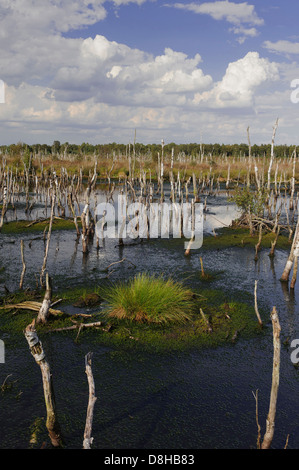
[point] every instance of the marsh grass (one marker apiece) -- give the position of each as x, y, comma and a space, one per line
149, 299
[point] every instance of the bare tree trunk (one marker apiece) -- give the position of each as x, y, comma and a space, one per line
40, 358
91, 402
270, 422
48, 239
45, 307
273, 244
272, 154
4, 207
293, 252
294, 278
187, 252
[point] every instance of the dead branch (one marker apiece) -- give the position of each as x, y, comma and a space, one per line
79, 326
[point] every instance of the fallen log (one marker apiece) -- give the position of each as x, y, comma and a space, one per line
35, 307
79, 326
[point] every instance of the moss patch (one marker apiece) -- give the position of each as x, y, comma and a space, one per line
25, 226
230, 237
225, 321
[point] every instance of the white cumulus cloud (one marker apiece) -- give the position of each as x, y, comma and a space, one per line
237, 87
238, 14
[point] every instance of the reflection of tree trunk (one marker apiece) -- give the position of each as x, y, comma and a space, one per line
270, 422
24, 265
258, 245
38, 353
255, 304
294, 278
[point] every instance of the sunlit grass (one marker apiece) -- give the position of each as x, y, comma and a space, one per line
149, 299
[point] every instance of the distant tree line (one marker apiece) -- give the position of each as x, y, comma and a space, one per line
104, 150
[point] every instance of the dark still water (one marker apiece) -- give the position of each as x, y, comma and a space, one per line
147, 400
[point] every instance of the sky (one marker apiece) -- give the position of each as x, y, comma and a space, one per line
188, 71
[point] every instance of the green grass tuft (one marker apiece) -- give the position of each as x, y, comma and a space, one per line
149, 299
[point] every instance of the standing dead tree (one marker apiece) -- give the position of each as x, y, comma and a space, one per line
91, 402
87, 225
38, 353
4, 207
272, 154
270, 422
44, 311
293, 252
48, 240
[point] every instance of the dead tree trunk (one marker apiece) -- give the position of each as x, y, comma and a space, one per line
294, 277
293, 252
38, 353
48, 240
4, 207
272, 155
91, 402
270, 422
273, 244
45, 307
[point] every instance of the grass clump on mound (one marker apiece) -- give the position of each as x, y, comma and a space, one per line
149, 299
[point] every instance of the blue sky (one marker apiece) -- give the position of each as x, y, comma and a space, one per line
94, 71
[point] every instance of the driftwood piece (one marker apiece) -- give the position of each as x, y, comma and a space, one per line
38, 353
270, 422
79, 326
30, 305
91, 402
